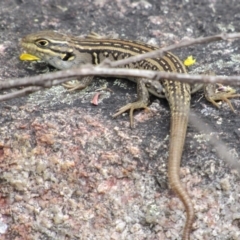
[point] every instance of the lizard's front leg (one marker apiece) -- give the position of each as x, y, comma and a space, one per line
142, 101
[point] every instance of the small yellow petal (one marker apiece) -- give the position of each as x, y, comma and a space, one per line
28, 57
189, 61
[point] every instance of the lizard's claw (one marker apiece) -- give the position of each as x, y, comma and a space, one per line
78, 84
131, 107
220, 92
73, 85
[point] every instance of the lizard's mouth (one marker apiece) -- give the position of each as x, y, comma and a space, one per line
28, 49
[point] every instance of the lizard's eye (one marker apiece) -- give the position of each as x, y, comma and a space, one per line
42, 42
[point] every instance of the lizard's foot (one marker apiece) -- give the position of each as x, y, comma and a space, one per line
73, 85
219, 92
131, 107
142, 102
78, 84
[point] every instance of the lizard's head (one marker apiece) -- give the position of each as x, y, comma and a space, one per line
51, 47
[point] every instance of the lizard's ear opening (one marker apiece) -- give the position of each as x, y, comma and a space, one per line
68, 57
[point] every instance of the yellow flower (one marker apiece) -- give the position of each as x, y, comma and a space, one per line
189, 61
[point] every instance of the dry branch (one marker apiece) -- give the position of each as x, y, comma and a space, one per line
108, 69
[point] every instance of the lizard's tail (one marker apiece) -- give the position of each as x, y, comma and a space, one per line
178, 130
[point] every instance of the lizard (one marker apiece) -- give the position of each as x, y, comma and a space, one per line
63, 52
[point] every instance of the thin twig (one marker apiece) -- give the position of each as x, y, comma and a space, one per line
20, 93
51, 79
221, 149
184, 43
